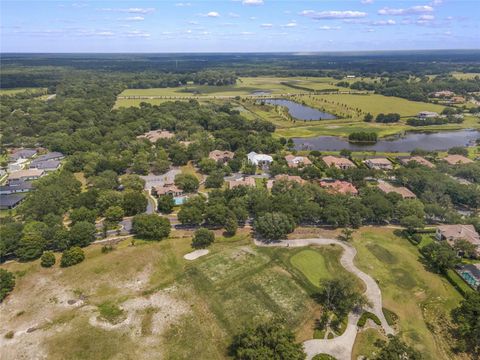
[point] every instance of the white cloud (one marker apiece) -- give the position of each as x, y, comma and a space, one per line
135, 18
247, 33
137, 33
193, 22
130, 10
183, 4
425, 19
252, 2
290, 25
267, 26
212, 14
366, 2
327, 28
347, 14
420, 9
252, 18
384, 22
233, 15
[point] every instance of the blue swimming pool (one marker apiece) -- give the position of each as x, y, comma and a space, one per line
469, 278
179, 200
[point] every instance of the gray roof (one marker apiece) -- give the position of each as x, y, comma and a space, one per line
47, 164
7, 201
48, 156
24, 153
20, 186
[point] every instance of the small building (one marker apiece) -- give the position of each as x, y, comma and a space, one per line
453, 233
166, 189
296, 161
10, 201
261, 160
340, 187
338, 162
404, 160
443, 94
20, 187
422, 115
221, 156
379, 164
21, 154
401, 190
246, 181
283, 177
47, 165
54, 155
471, 274
155, 135
457, 160
29, 174
457, 100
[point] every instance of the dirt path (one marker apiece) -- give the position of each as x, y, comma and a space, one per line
341, 347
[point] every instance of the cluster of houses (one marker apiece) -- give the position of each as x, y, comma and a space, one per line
449, 97
24, 166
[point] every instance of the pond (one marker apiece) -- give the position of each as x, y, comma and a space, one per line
301, 112
426, 141
260, 93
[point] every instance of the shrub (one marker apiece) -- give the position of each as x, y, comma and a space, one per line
9, 335
72, 256
107, 248
111, 312
390, 316
202, 238
368, 315
7, 283
47, 259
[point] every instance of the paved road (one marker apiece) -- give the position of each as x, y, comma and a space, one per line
341, 346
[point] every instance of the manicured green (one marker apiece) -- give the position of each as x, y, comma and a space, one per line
312, 264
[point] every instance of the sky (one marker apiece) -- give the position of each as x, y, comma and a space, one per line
238, 25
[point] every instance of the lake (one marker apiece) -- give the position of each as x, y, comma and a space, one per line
301, 112
428, 141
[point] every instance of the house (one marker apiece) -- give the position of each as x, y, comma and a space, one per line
166, 189
338, 186
471, 274
221, 156
453, 233
338, 162
21, 154
10, 201
47, 165
20, 187
457, 159
55, 155
422, 115
246, 181
155, 135
443, 94
30, 174
282, 177
294, 161
261, 160
379, 164
17, 165
404, 160
388, 188
457, 100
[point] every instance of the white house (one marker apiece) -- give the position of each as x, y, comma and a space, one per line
261, 160
17, 165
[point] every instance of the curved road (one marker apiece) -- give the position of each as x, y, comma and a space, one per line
341, 347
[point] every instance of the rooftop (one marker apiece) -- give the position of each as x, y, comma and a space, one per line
25, 174
457, 159
403, 191
155, 135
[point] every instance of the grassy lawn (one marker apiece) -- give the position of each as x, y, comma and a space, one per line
21, 90
312, 264
421, 299
364, 343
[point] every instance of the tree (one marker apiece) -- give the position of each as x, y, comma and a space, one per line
207, 165
72, 256
274, 226
114, 214
7, 283
134, 202
466, 318
47, 259
396, 349
31, 247
216, 214
439, 256
214, 180
231, 225
132, 182
340, 296
187, 182
368, 117
346, 235
10, 235
165, 203
465, 248
83, 214
151, 226
267, 341
458, 150
190, 215
202, 238
109, 198
82, 234
411, 213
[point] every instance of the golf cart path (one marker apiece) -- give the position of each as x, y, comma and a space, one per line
340, 347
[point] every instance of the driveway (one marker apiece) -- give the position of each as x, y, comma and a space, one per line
341, 346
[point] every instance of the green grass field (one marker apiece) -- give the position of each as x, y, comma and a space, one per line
21, 90
421, 299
